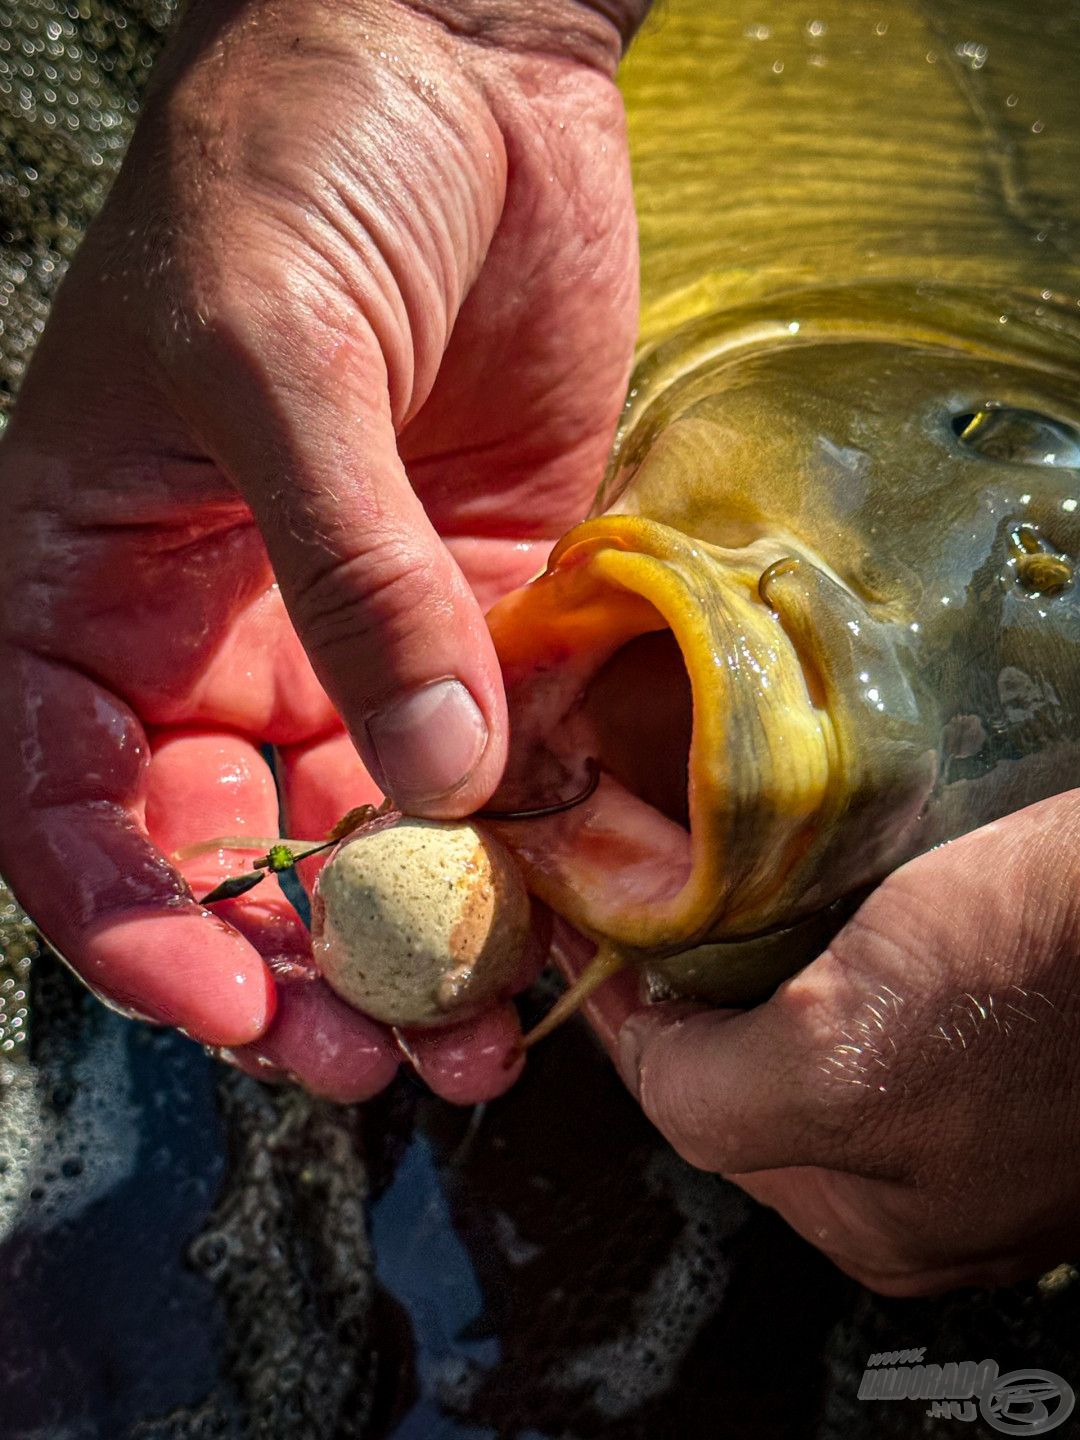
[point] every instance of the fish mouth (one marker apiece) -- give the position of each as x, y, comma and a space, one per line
656, 656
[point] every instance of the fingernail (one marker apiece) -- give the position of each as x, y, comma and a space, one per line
429, 743
643, 1030
631, 1044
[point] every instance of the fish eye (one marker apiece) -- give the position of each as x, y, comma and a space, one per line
1021, 437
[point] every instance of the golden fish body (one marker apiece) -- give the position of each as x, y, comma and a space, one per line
825, 615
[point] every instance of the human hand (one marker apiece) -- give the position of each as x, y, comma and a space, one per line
356, 320
908, 1102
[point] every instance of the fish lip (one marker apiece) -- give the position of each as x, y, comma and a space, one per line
750, 818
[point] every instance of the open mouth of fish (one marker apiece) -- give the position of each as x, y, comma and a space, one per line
660, 658
776, 732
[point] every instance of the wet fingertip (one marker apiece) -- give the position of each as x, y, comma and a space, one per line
332, 1050
251, 1063
179, 969
470, 1062
351, 1089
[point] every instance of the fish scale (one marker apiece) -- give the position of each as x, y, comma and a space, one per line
770, 169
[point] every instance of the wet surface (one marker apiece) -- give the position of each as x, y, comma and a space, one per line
567, 1274
187, 1254
114, 1155
545, 1267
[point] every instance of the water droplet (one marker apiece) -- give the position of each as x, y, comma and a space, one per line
1012, 101
757, 32
973, 54
881, 28
816, 28
778, 67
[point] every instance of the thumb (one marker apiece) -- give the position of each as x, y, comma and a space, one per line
390, 624
317, 236
732, 1091
738, 1092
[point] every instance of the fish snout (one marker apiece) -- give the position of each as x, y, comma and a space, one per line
662, 659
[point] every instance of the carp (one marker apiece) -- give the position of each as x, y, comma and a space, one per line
824, 614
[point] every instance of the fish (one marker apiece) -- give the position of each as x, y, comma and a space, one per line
824, 614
